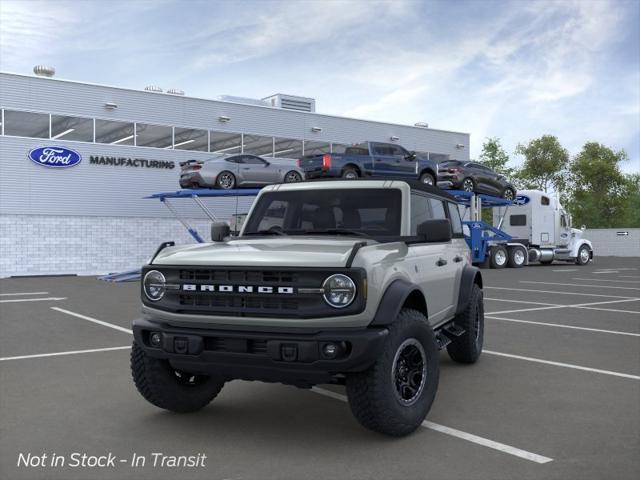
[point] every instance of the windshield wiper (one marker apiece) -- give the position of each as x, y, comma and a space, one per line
333, 231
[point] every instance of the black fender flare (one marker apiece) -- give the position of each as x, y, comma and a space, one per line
470, 275
392, 301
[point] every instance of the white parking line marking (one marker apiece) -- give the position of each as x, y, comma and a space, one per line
629, 276
57, 354
605, 272
636, 282
557, 292
527, 310
469, 437
565, 365
93, 320
576, 305
587, 329
580, 285
23, 293
567, 270
520, 301
47, 299
635, 312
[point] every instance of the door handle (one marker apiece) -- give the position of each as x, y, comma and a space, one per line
441, 262
457, 259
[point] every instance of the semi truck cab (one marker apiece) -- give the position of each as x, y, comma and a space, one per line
538, 221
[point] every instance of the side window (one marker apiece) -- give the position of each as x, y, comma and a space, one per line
253, 160
518, 220
420, 211
544, 200
234, 160
437, 209
563, 220
382, 149
398, 151
456, 222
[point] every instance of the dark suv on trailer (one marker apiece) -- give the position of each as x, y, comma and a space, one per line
474, 177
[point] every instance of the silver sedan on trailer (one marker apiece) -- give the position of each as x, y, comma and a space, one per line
234, 171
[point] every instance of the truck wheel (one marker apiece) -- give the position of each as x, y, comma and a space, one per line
517, 257
467, 347
395, 394
226, 180
167, 388
427, 179
350, 173
499, 256
584, 255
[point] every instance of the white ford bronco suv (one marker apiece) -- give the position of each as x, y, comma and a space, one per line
353, 282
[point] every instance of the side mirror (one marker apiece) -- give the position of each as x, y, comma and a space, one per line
583, 227
411, 156
435, 230
219, 231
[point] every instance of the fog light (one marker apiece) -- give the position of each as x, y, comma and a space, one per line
155, 339
330, 350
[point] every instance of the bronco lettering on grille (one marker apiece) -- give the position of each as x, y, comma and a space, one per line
191, 287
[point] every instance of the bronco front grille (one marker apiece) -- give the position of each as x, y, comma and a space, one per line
197, 291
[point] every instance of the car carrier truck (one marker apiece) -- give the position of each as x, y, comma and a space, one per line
542, 227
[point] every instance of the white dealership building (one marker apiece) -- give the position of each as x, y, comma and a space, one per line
91, 217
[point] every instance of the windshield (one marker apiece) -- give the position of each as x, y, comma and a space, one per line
373, 212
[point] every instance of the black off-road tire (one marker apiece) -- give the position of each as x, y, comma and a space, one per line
350, 173
165, 388
373, 395
467, 347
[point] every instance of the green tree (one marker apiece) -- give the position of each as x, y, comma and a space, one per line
545, 164
495, 157
598, 191
630, 216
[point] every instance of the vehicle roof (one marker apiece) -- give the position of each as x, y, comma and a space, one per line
329, 183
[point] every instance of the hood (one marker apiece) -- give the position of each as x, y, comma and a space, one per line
320, 251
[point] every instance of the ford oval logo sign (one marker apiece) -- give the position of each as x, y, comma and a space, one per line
55, 157
521, 200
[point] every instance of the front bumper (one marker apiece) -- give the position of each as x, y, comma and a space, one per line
272, 356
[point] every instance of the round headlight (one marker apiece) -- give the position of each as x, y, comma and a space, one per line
154, 285
339, 290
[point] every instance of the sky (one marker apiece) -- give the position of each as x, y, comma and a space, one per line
509, 69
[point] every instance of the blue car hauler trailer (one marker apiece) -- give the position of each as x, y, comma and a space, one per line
490, 246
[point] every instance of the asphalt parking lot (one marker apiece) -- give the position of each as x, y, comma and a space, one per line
556, 394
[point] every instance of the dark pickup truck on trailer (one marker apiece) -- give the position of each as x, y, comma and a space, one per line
371, 159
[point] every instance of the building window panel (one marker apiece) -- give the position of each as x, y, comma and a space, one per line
115, 133
258, 145
225, 143
190, 139
71, 128
157, 136
26, 124
287, 148
316, 148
